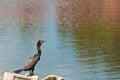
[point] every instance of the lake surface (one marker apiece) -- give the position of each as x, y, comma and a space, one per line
82, 37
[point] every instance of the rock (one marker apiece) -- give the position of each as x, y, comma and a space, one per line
53, 77
13, 76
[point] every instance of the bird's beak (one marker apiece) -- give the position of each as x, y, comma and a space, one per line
42, 41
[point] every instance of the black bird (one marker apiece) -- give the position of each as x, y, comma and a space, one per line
32, 61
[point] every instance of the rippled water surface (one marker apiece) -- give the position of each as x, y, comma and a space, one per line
82, 37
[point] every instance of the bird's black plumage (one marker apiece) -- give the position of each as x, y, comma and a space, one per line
32, 61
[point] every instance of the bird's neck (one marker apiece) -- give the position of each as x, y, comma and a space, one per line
39, 51
38, 47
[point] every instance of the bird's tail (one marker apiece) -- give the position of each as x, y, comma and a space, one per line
18, 71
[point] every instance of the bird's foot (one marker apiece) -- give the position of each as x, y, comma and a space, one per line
29, 74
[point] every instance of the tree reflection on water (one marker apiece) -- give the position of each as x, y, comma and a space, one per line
83, 36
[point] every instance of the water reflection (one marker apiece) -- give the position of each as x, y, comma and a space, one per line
98, 51
84, 12
82, 37
93, 30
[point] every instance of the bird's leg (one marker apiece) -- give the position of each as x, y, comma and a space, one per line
33, 72
30, 72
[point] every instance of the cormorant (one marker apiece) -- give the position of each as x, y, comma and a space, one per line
32, 61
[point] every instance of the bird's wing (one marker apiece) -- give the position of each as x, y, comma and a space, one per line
31, 62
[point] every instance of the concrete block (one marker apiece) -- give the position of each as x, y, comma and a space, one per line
13, 76
53, 77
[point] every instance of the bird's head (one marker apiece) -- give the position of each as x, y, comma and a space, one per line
39, 43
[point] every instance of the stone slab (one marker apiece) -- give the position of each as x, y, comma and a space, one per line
13, 76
